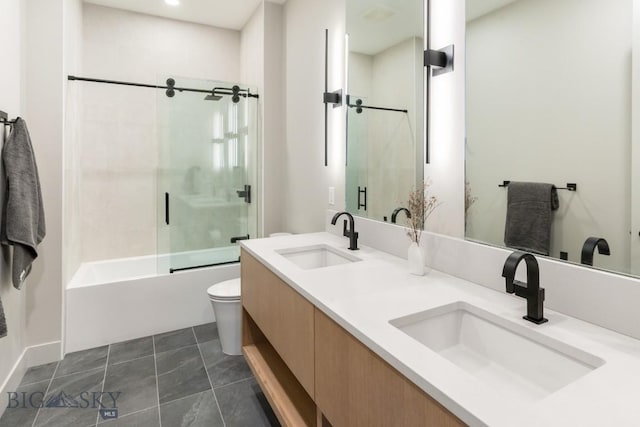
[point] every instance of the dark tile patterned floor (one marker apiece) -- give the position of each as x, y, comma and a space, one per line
176, 379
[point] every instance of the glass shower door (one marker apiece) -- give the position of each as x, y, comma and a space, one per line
207, 174
357, 161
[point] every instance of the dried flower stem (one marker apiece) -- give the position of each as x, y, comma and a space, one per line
468, 198
421, 206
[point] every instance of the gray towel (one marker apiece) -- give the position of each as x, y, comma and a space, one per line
22, 212
3, 323
529, 216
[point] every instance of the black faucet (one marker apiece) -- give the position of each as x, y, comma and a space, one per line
530, 290
589, 248
350, 233
396, 211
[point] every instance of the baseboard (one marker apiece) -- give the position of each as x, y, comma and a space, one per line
31, 356
12, 381
43, 353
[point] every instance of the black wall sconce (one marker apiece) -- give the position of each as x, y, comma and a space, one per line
437, 62
440, 61
334, 98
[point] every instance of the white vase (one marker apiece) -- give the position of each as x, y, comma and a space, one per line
415, 256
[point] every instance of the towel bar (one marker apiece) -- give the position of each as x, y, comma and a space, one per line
570, 186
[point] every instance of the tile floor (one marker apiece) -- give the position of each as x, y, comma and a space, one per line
176, 379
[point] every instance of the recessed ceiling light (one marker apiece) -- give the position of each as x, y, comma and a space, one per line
172, 2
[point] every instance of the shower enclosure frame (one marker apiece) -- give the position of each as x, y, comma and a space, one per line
216, 93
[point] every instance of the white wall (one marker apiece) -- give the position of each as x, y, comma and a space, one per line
12, 27
44, 102
306, 179
119, 139
635, 143
72, 35
32, 82
273, 131
541, 107
251, 73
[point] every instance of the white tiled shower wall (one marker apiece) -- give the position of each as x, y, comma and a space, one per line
118, 126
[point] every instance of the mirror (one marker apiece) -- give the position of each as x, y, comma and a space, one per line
549, 100
385, 113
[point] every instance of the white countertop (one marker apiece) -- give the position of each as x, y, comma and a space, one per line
364, 296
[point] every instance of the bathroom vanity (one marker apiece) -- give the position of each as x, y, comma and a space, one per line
309, 366
348, 338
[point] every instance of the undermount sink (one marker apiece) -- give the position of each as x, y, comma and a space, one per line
316, 256
503, 354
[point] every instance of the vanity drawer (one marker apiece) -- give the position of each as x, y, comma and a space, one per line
355, 387
283, 316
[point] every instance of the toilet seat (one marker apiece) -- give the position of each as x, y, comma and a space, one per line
229, 290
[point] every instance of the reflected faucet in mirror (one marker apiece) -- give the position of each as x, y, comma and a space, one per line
350, 232
396, 211
531, 290
589, 248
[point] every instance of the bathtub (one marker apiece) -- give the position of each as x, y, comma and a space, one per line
122, 299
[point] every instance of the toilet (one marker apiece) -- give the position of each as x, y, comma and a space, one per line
225, 300
227, 307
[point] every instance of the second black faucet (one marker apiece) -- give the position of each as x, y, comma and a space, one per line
350, 232
531, 290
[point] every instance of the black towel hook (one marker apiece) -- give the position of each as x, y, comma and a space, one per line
4, 119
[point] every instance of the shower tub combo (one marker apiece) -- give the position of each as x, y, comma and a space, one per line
207, 138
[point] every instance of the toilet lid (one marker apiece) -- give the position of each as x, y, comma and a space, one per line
229, 289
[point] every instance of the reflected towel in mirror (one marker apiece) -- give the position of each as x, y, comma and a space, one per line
3, 322
530, 207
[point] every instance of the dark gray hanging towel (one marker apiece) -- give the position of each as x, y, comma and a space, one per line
22, 224
529, 216
3, 323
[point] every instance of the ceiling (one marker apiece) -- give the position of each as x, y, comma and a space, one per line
477, 8
374, 26
232, 14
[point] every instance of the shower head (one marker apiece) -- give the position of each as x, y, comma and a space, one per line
234, 92
213, 96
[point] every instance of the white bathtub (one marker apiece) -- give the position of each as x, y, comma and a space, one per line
122, 299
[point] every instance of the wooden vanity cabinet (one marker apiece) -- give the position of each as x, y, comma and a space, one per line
277, 342
355, 387
313, 372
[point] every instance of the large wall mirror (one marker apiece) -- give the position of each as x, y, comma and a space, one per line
549, 100
385, 113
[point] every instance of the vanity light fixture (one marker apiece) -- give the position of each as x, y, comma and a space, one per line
172, 2
334, 98
440, 61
